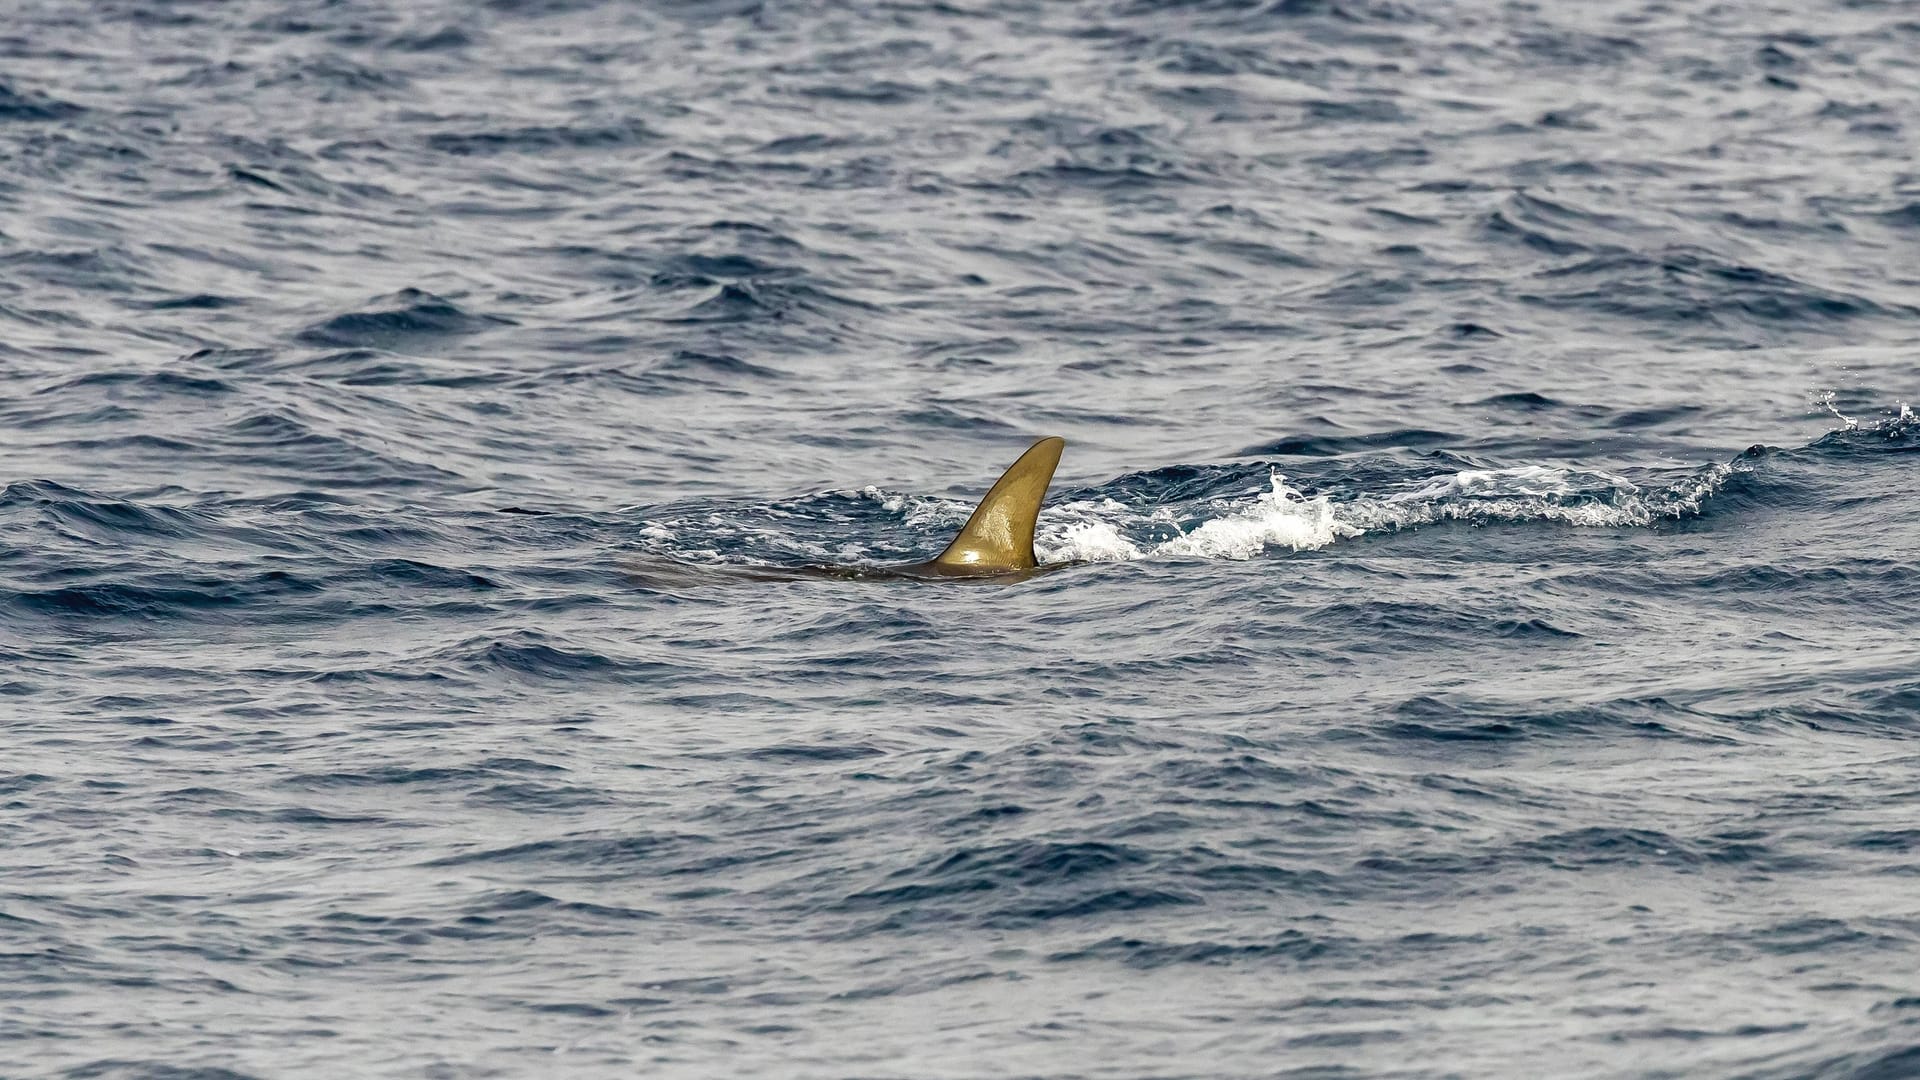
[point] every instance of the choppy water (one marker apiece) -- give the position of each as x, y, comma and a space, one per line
1496, 653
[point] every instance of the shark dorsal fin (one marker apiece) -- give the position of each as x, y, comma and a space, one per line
999, 535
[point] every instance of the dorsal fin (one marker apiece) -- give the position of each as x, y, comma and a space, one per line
999, 535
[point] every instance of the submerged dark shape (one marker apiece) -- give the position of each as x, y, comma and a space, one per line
996, 544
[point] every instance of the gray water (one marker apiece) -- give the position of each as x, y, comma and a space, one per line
1488, 651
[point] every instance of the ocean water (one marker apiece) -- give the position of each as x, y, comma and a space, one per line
1490, 647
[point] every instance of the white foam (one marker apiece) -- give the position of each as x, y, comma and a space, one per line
1531, 493
919, 511
1087, 541
1531, 481
1278, 517
1283, 518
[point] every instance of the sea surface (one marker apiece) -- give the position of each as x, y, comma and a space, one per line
1488, 646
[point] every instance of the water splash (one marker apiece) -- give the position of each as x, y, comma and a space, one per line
1825, 399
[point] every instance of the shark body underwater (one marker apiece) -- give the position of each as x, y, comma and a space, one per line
996, 544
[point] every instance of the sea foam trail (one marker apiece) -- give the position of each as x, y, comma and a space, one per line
1102, 528
1279, 517
1282, 517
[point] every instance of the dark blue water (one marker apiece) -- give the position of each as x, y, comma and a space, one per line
1494, 655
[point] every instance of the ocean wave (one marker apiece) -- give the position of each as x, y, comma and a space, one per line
392, 395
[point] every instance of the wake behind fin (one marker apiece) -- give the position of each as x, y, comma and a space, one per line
999, 535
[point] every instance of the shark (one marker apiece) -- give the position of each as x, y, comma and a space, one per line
995, 545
